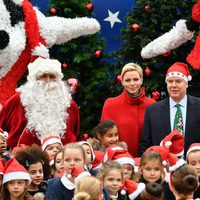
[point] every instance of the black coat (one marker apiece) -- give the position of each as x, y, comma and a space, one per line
157, 123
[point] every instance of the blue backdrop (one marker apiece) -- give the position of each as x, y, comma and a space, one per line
109, 13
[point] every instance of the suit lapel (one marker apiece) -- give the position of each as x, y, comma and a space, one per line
165, 116
190, 114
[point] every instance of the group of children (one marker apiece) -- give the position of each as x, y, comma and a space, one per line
100, 168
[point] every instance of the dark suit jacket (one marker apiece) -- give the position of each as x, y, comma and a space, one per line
157, 123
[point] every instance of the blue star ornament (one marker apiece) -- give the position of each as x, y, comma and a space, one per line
110, 15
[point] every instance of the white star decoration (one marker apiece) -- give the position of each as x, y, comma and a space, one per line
113, 18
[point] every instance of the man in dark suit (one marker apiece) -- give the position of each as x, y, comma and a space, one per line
159, 117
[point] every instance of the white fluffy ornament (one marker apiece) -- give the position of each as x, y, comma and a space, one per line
26, 33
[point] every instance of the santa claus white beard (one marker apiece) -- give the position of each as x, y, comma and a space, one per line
45, 105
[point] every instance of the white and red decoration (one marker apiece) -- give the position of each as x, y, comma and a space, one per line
13, 170
179, 70
29, 34
50, 140
193, 147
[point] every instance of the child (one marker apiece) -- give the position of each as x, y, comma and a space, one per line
36, 162
152, 171
58, 164
88, 188
121, 156
15, 181
111, 175
184, 178
51, 145
107, 133
90, 156
63, 188
193, 159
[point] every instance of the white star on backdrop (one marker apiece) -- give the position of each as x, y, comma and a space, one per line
113, 18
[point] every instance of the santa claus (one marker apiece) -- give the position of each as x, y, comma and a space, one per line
42, 107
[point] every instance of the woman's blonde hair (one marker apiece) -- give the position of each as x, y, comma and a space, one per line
132, 67
88, 188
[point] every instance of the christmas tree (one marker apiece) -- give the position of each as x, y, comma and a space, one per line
147, 21
84, 67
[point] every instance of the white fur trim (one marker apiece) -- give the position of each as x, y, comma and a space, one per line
67, 183
19, 2
41, 65
164, 162
168, 41
80, 176
192, 149
125, 160
138, 191
51, 141
136, 169
51, 162
105, 158
176, 74
16, 175
41, 50
178, 164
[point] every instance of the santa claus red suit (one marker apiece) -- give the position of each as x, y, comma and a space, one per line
41, 108
128, 114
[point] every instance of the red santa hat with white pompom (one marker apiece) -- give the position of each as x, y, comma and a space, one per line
193, 147
179, 70
174, 142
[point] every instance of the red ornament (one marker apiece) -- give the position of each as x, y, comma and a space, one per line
147, 71
135, 27
98, 53
118, 79
64, 65
53, 11
155, 95
73, 84
84, 137
166, 54
89, 6
146, 8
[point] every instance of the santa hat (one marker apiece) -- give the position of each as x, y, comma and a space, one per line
174, 162
162, 151
136, 164
180, 70
97, 163
174, 142
119, 155
44, 65
2, 162
3, 134
50, 140
193, 147
92, 151
134, 189
78, 173
13, 171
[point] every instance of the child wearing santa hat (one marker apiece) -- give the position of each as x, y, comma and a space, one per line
51, 145
36, 162
15, 181
111, 176
73, 163
120, 155
193, 159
